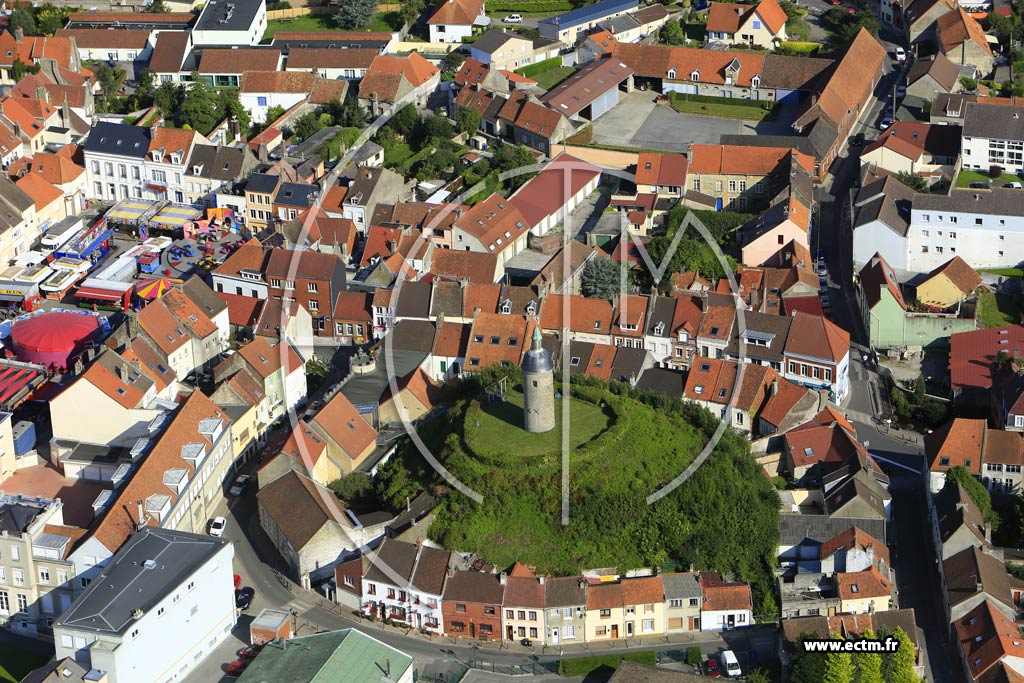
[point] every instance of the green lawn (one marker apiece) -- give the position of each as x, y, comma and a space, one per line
15, 663
729, 111
397, 153
1005, 272
552, 77
584, 666
500, 429
997, 310
382, 21
965, 178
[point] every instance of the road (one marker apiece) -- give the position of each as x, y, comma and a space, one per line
914, 558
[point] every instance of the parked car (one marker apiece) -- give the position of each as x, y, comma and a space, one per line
238, 488
980, 185
236, 668
249, 652
711, 669
217, 527
513, 19
901, 91
900, 54
1014, 185
825, 301
731, 664
243, 597
886, 122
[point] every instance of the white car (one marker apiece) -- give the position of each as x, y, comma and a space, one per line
901, 54
513, 19
731, 664
238, 488
217, 527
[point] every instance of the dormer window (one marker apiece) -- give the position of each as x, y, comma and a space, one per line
755, 82
672, 73
695, 75
659, 329
506, 307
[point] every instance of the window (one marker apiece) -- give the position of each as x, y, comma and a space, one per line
509, 613
521, 632
569, 632
135, 633
567, 612
489, 609
261, 101
44, 575
15, 553
314, 305
696, 184
606, 614
5, 606
460, 608
19, 577
191, 585
371, 589
22, 602
647, 626
732, 186
533, 615
350, 581
533, 632
312, 288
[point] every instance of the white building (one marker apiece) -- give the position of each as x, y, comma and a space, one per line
882, 219
454, 20
164, 603
983, 227
404, 582
993, 136
231, 22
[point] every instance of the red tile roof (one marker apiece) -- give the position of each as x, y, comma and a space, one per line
41, 192
643, 590
584, 315
720, 596
665, 170
866, 584
972, 355
457, 12
551, 189
497, 338
959, 442
855, 538
493, 219
744, 159
815, 337
604, 596
986, 637
340, 420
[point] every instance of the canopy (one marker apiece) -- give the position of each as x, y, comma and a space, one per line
154, 288
53, 337
100, 294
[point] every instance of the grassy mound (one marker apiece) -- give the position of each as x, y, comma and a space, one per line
500, 427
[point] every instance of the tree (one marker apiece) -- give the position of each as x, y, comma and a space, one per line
356, 489
50, 19
808, 667
600, 279
21, 69
969, 84
307, 125
231, 107
759, 676
157, 7
672, 33
869, 664
199, 108
913, 181
467, 119
434, 127
977, 491
410, 11
843, 27
110, 79
838, 666
898, 666
22, 18
919, 390
405, 121
453, 60
355, 13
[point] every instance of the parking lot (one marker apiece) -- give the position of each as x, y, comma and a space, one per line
638, 122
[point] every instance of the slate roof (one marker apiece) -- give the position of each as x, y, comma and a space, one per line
973, 570
886, 200
477, 587
569, 591
796, 529
298, 507
118, 139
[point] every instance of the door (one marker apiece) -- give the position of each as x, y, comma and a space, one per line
554, 636
629, 629
731, 621
615, 630
472, 630
509, 635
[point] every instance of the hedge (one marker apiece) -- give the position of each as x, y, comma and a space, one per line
808, 49
709, 99
540, 67
530, 6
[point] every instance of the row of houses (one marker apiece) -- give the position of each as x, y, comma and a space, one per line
424, 587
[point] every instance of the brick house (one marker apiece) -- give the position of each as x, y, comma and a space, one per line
312, 279
471, 605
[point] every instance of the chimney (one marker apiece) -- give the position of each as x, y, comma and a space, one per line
503, 578
236, 130
19, 34
775, 387
540, 580
42, 94
142, 515
822, 399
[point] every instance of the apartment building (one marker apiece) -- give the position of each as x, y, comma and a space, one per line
163, 587
37, 581
311, 279
260, 191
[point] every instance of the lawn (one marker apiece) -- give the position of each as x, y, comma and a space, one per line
965, 178
997, 310
382, 21
729, 111
15, 663
500, 430
1005, 272
584, 666
396, 153
552, 77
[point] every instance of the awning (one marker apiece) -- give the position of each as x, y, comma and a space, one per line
11, 298
101, 294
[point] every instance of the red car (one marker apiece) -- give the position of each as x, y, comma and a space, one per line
711, 668
249, 652
238, 581
237, 667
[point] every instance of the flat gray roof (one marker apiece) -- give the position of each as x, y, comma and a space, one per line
228, 15
148, 567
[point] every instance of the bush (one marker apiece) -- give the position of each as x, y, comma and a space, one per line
693, 655
995, 171
530, 6
540, 67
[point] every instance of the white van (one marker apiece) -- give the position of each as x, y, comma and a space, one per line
730, 664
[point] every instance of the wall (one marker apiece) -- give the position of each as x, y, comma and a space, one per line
876, 237
84, 413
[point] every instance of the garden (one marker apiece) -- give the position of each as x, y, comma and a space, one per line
994, 178
316, 23
726, 107
997, 310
